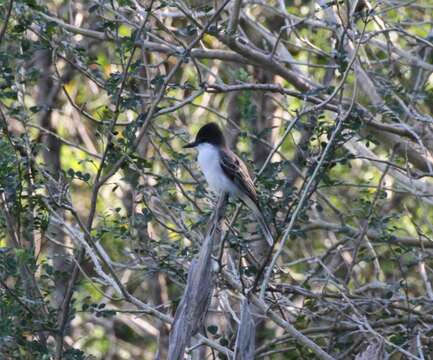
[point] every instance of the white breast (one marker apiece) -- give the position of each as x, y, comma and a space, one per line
209, 161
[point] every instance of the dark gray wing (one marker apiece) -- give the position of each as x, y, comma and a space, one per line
236, 170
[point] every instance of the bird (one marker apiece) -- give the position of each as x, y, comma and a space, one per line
225, 172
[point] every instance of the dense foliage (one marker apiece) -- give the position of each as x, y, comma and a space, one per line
330, 103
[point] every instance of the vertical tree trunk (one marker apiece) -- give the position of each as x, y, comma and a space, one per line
157, 283
47, 94
265, 109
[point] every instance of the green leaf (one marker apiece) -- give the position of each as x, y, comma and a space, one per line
213, 329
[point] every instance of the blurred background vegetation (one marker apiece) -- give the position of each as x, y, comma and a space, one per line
101, 210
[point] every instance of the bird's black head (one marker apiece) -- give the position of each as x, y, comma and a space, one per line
209, 133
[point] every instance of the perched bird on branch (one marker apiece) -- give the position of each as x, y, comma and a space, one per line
226, 172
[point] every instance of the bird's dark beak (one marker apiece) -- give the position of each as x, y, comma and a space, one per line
190, 145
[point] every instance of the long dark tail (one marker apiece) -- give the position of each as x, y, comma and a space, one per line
254, 207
